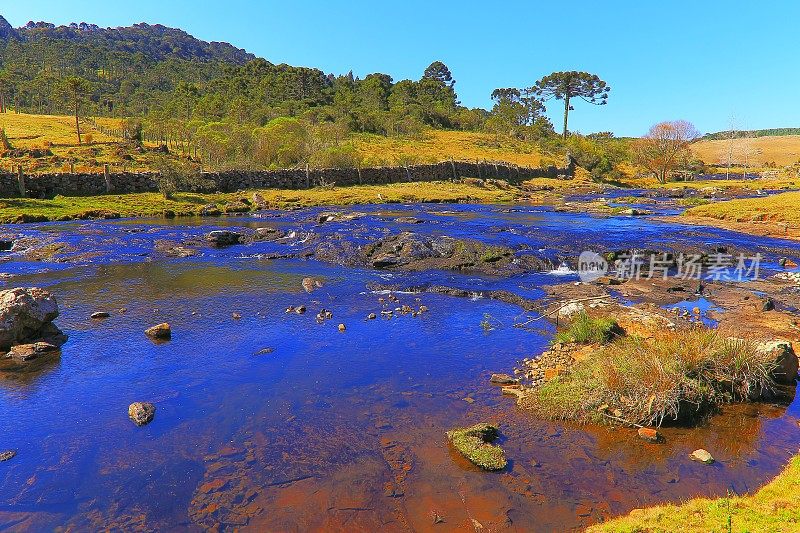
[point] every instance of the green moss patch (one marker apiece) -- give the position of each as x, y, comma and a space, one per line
474, 443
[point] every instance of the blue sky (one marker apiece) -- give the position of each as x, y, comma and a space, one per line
708, 62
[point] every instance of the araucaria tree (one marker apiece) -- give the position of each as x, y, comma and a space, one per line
569, 85
665, 148
74, 89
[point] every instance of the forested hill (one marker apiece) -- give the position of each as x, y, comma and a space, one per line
155, 42
740, 134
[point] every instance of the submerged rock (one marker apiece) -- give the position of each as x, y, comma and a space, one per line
702, 456
159, 331
223, 237
100, 314
26, 314
474, 443
29, 352
141, 413
503, 379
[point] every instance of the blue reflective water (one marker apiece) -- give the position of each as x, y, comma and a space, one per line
331, 430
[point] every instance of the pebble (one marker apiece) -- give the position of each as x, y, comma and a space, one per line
702, 456
650, 435
141, 413
371, 316
7, 455
159, 331
236, 316
342, 327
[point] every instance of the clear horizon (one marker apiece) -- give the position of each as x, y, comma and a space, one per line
714, 65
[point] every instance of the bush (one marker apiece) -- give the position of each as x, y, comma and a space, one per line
173, 175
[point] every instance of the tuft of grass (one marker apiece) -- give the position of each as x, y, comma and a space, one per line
675, 375
474, 443
586, 330
773, 508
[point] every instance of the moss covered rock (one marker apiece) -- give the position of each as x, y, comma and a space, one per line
474, 443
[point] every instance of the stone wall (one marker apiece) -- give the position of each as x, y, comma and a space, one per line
49, 185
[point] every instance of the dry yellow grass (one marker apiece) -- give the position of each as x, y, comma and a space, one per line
782, 150
57, 133
33, 131
434, 146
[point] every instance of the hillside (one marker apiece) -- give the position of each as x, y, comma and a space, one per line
56, 135
763, 151
155, 42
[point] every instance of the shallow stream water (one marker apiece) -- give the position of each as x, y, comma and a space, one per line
331, 430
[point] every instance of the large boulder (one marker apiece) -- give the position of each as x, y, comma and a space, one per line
786, 362
26, 314
223, 237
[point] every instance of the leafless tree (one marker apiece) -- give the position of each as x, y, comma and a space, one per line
665, 148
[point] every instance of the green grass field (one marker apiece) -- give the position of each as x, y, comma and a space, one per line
187, 204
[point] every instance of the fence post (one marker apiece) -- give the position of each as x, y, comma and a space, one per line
21, 182
107, 178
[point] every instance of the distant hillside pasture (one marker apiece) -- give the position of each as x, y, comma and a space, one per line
56, 134
782, 150
434, 146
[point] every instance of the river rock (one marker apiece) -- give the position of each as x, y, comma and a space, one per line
309, 284
649, 434
342, 327
570, 309
159, 331
100, 314
786, 363
141, 413
24, 314
702, 456
223, 237
210, 210
503, 379
268, 233
7, 455
29, 352
787, 263
259, 201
